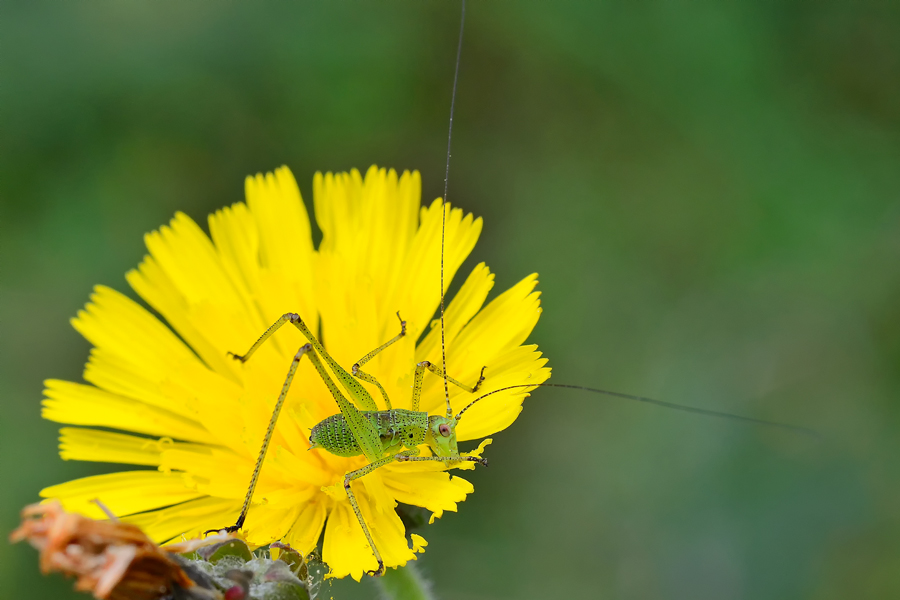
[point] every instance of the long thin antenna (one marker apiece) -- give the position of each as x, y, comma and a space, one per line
462, 21
672, 405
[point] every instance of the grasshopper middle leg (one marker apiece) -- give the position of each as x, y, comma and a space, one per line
359, 374
406, 455
353, 503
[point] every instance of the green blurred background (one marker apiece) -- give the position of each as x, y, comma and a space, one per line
710, 192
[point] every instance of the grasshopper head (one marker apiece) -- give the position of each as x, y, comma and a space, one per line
441, 436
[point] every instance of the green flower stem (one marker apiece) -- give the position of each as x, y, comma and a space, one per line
404, 583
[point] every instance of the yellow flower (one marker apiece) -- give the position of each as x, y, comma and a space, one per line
199, 417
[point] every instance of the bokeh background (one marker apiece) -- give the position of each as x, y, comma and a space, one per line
710, 192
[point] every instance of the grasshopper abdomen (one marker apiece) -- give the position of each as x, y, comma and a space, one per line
396, 428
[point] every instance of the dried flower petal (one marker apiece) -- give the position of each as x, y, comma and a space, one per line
112, 560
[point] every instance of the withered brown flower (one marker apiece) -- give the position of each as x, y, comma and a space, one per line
112, 560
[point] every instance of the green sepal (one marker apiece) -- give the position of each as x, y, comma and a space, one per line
217, 552
294, 560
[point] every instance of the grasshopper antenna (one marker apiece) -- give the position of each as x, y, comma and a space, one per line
462, 21
671, 405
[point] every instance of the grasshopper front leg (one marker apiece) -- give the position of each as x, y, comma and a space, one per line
444, 459
420, 374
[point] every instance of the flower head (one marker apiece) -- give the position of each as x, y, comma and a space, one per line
198, 417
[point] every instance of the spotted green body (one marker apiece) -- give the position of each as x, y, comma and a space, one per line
397, 428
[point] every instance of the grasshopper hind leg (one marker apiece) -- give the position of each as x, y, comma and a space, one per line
268, 437
285, 318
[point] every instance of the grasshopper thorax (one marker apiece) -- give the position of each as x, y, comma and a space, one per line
441, 436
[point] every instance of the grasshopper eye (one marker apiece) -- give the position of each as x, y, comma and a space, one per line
444, 429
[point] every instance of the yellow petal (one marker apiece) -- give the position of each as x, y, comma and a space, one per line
345, 548
418, 293
187, 520
123, 493
487, 340
505, 322
111, 372
367, 226
520, 366
236, 238
460, 310
154, 286
113, 321
304, 533
418, 543
275, 202
435, 490
76, 443
79, 404
285, 252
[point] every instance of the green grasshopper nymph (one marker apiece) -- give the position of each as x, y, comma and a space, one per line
382, 436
